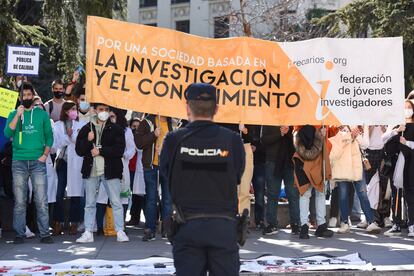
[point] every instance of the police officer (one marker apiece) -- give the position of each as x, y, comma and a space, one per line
204, 163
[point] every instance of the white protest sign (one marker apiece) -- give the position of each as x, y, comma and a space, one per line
22, 60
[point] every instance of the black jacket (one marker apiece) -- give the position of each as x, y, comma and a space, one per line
113, 147
278, 148
253, 137
145, 139
409, 159
201, 182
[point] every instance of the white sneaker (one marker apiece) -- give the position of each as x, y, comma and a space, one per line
411, 231
363, 224
332, 222
29, 234
387, 223
121, 237
86, 237
345, 228
349, 222
373, 228
394, 231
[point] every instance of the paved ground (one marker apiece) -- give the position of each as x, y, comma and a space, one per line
384, 252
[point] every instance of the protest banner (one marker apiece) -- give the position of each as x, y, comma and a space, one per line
22, 60
8, 99
165, 266
319, 81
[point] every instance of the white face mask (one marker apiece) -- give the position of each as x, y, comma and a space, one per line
19, 83
408, 113
103, 116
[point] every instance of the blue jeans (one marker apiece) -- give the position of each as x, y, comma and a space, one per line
151, 197
361, 191
36, 170
273, 184
259, 181
113, 189
320, 207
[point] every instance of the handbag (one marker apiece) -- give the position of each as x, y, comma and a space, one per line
59, 159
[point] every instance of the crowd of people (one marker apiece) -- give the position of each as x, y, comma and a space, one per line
88, 154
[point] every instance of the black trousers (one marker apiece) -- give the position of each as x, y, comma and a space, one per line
209, 244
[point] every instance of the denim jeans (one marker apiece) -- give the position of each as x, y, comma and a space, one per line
259, 188
361, 191
320, 207
113, 189
36, 170
151, 197
273, 184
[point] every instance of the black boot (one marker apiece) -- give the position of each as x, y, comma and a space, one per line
304, 232
323, 231
295, 229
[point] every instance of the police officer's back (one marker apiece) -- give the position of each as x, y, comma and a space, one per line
204, 163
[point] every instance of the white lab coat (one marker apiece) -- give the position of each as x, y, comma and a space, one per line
128, 155
75, 186
138, 187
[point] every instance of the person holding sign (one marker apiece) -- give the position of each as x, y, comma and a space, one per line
101, 143
149, 137
407, 149
32, 136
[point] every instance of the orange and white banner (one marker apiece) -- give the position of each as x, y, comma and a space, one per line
319, 81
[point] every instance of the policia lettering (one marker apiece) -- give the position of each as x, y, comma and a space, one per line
204, 152
175, 71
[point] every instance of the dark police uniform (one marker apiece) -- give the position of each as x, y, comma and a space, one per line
205, 168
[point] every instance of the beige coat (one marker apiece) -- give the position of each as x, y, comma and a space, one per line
345, 157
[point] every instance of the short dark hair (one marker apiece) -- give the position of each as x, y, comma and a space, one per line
133, 120
202, 108
65, 107
80, 92
27, 86
57, 81
95, 105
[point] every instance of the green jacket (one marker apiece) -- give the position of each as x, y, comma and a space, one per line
32, 134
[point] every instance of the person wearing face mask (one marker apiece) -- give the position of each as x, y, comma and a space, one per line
32, 136
85, 111
19, 81
54, 106
137, 180
406, 147
117, 116
101, 143
68, 168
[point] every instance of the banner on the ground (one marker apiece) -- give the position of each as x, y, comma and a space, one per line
165, 266
22, 60
319, 81
8, 99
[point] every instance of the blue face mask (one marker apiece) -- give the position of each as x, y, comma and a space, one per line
84, 105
